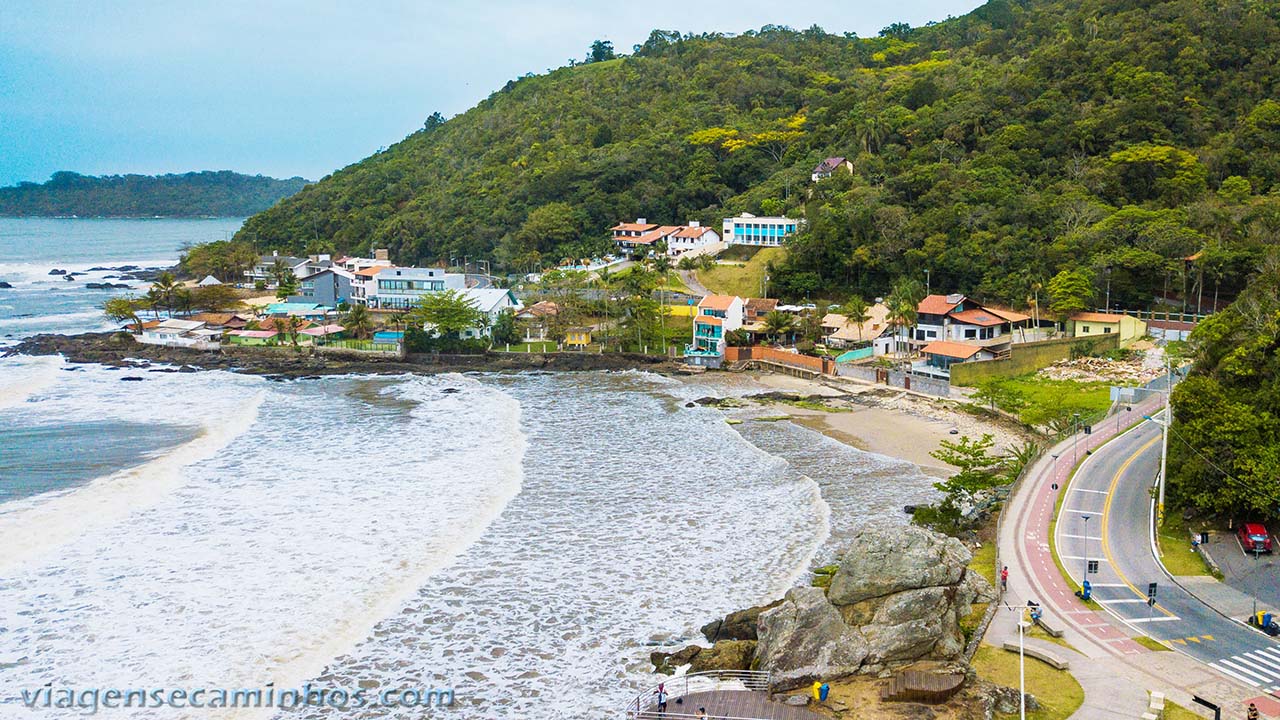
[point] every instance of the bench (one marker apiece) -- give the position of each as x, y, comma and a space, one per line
1156, 706
1043, 622
1042, 655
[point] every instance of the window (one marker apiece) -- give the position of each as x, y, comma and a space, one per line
1106, 330
1084, 328
933, 333
970, 333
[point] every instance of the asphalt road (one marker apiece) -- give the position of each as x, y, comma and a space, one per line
1113, 488
1242, 571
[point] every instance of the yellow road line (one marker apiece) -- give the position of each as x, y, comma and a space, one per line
1106, 516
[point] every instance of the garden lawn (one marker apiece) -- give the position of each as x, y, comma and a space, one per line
1058, 693
745, 280
1036, 400
1175, 547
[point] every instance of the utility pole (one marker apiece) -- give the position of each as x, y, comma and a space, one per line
927, 284
1085, 576
1164, 438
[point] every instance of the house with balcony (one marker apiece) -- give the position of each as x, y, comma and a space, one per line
265, 268
940, 355
716, 315
693, 237
398, 288
181, 333
381, 258
747, 229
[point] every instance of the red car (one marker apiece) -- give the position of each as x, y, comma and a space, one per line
1254, 538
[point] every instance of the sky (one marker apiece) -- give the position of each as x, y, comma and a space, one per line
284, 88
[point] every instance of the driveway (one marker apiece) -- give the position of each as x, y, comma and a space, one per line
690, 280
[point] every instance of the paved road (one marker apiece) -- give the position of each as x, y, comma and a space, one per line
690, 280
1242, 571
1113, 487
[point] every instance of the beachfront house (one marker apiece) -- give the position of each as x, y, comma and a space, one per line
940, 355
329, 287
537, 319
827, 167
747, 229
1085, 324
181, 333
717, 315
381, 258
842, 332
398, 288
492, 302
254, 337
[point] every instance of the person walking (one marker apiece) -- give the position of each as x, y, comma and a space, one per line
661, 692
702, 714
1253, 712
1004, 579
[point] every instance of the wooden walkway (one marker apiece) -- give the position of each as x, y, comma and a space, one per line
732, 704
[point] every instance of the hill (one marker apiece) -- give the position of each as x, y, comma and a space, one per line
1114, 137
194, 194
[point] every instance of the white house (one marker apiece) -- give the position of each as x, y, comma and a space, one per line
717, 315
181, 333
264, 269
381, 258
398, 288
691, 237
747, 229
492, 302
828, 166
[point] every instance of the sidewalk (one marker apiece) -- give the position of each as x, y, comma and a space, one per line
1114, 671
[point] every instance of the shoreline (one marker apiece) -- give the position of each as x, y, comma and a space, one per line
872, 418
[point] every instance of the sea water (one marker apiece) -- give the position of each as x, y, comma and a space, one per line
31, 247
523, 539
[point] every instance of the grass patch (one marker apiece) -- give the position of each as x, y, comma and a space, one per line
772, 418
815, 405
1058, 693
1150, 643
1174, 711
1038, 633
1038, 401
536, 346
984, 562
743, 280
1175, 548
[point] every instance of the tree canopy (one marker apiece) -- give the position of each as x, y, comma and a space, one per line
194, 194
996, 149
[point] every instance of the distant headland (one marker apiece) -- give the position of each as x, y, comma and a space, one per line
194, 194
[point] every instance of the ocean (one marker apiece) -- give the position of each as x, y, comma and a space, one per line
525, 540
32, 247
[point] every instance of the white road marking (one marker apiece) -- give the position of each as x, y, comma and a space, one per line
1265, 661
1122, 600
1100, 492
1080, 557
1245, 670
1082, 537
1163, 618
1237, 676
1098, 585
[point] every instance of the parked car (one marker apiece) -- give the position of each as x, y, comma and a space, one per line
1254, 538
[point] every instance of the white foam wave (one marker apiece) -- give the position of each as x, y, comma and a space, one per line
66, 515
37, 273
24, 377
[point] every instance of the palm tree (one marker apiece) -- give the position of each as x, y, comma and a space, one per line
165, 286
778, 323
292, 325
358, 322
182, 300
153, 301
858, 312
121, 309
904, 302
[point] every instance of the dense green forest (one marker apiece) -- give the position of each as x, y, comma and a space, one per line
195, 194
1224, 453
1113, 137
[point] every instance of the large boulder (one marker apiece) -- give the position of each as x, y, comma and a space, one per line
879, 562
737, 625
896, 599
725, 655
805, 638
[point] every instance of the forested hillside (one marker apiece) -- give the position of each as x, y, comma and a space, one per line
1225, 451
195, 194
1115, 137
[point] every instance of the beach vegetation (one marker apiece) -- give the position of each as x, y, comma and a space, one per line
123, 309
358, 322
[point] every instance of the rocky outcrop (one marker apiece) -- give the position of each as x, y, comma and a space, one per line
725, 655
737, 625
897, 598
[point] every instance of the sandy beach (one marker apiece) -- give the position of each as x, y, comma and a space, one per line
877, 419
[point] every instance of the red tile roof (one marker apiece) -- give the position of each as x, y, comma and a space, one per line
650, 237
979, 317
708, 320
633, 227
716, 302
946, 348
937, 305
692, 232
371, 271
1007, 314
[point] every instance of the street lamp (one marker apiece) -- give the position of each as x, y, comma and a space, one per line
1084, 578
1023, 625
1075, 436
1164, 439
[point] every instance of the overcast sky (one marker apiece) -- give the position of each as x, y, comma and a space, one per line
303, 88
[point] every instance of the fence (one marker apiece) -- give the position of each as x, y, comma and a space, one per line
896, 378
644, 706
824, 366
1028, 357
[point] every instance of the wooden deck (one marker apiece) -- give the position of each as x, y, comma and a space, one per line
732, 704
